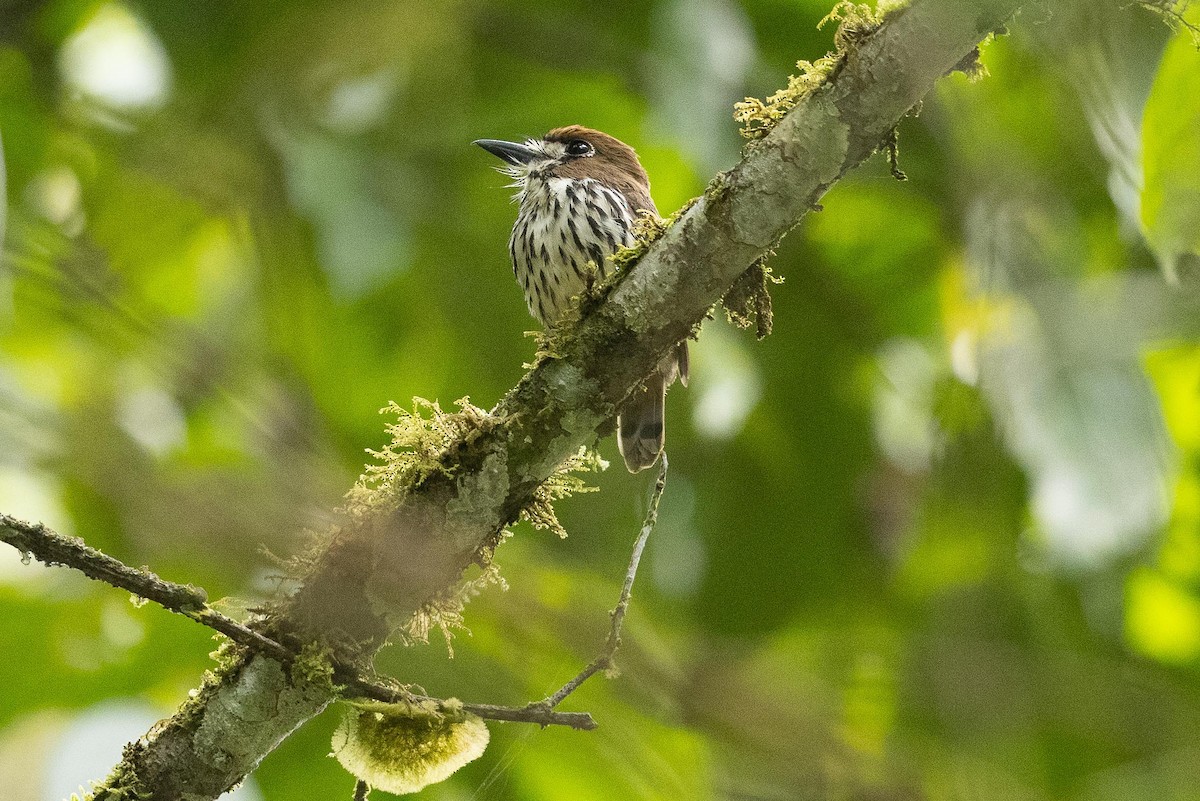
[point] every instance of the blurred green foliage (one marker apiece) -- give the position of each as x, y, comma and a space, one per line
936, 538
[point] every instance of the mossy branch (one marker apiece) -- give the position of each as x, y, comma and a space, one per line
374, 572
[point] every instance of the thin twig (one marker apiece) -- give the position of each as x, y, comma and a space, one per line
53, 548
604, 660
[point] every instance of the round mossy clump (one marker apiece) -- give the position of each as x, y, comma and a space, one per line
400, 750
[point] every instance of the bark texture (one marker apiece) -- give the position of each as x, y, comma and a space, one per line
377, 572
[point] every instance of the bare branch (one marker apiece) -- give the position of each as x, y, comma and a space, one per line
604, 660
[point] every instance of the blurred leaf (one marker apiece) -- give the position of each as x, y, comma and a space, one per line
1108, 54
1060, 367
1171, 154
1176, 374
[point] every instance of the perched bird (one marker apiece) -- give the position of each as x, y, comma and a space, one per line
580, 191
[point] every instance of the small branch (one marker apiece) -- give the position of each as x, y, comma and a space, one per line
604, 660
533, 713
361, 790
358, 687
243, 634
53, 548
47, 546
56, 549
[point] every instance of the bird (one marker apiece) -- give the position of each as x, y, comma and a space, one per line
580, 191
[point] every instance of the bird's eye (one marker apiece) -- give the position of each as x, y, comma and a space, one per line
579, 147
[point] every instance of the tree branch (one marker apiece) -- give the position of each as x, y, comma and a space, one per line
54, 549
376, 573
35, 539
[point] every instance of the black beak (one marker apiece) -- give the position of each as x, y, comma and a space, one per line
512, 152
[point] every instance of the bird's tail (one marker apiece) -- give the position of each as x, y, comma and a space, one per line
640, 424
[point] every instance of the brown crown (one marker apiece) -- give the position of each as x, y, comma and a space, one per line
614, 163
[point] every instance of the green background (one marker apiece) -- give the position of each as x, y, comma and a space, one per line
937, 537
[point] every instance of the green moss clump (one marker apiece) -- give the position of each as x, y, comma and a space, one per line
445, 611
402, 748
227, 655
646, 228
420, 441
122, 784
856, 22
758, 117
716, 188
314, 665
419, 449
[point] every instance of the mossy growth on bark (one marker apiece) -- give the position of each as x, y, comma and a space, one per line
444, 612
646, 229
425, 441
121, 785
420, 441
748, 302
314, 666
855, 23
565, 482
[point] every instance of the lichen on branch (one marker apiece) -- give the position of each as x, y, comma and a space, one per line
420, 441
425, 442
